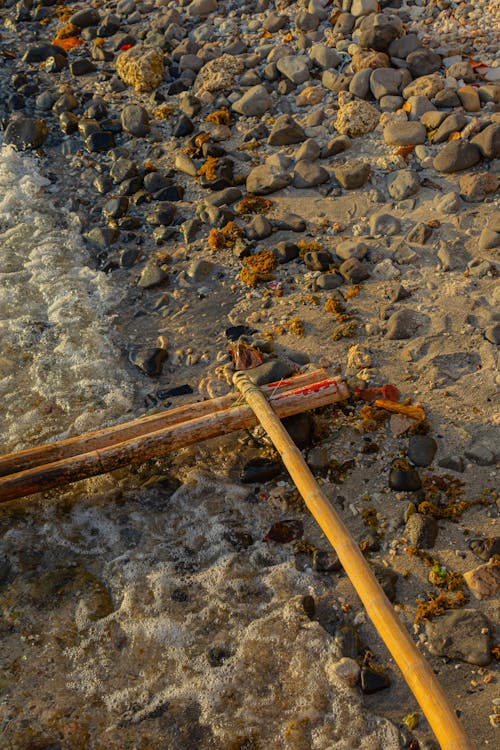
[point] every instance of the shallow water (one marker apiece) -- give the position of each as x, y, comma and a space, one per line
139, 610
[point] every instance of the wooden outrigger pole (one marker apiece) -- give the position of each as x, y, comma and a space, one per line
62, 462
414, 668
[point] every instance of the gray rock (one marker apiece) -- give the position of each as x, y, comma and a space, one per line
461, 71
403, 46
423, 62
455, 156
492, 332
307, 174
364, 7
351, 249
488, 239
335, 146
391, 103
432, 119
135, 120
360, 83
329, 281
149, 359
310, 151
198, 270
454, 122
403, 183
324, 57
453, 463
254, 102
419, 234
447, 97
449, 203
274, 22
384, 224
488, 141
184, 163
270, 371
294, 67
286, 131
385, 81
224, 197
419, 105
481, 453
330, 80
201, 8
152, 275
305, 21
258, 228
421, 450
462, 634
421, 531
404, 324
478, 186
353, 174
269, 177
404, 478
451, 257
353, 270
318, 260
25, 133
404, 133
378, 30
85, 18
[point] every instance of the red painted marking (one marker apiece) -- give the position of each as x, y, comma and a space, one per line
126, 46
307, 389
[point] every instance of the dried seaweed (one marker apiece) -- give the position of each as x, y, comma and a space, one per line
438, 605
220, 117
254, 204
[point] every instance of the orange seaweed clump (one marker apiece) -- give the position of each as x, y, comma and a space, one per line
193, 147
308, 247
438, 605
221, 117
218, 239
296, 326
258, 267
254, 204
163, 111
69, 43
209, 168
67, 31
334, 306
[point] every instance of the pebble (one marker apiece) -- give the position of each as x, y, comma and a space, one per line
404, 133
403, 183
149, 359
462, 634
254, 102
421, 450
421, 531
476, 187
353, 174
25, 133
456, 156
135, 120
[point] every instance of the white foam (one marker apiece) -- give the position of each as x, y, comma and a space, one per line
60, 372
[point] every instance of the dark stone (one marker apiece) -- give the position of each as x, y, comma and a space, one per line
135, 120
270, 372
180, 390
372, 681
101, 140
82, 67
387, 578
421, 531
217, 656
286, 131
353, 174
488, 141
115, 208
25, 133
183, 126
354, 271
164, 214
346, 639
463, 634
379, 30
404, 479
486, 547
86, 17
260, 470
233, 333
423, 62
421, 450
286, 252
300, 428
150, 360
457, 155
318, 260
326, 561
419, 234
42, 52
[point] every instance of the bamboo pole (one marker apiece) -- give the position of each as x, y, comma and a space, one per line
12, 463
159, 442
414, 667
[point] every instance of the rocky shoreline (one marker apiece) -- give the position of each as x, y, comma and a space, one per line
314, 184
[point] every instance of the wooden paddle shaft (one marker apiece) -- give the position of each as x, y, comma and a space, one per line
159, 442
414, 667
